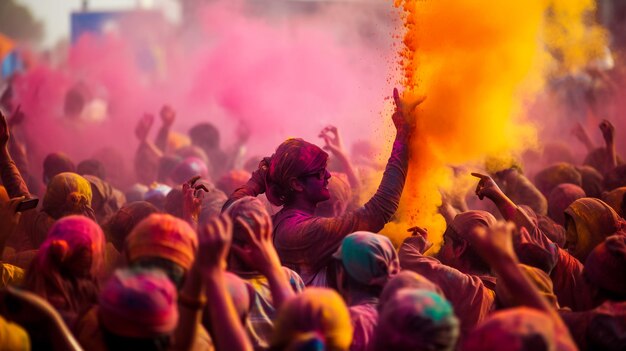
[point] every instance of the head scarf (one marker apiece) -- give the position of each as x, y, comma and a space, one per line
67, 266
163, 236
465, 221
66, 194
594, 220
416, 319
69, 236
316, 315
406, 279
368, 258
232, 180
560, 173
605, 266
125, 219
56, 163
615, 199
540, 279
13, 337
136, 192
560, 198
592, 181
293, 158
139, 304
188, 168
515, 329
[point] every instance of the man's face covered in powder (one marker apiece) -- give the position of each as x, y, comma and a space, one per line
315, 185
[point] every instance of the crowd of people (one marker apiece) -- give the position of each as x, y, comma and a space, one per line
284, 254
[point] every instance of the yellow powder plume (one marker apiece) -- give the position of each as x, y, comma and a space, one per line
478, 62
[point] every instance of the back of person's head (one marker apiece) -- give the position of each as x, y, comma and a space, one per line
205, 135
157, 195
588, 222
550, 177
161, 238
592, 181
615, 178
188, 168
615, 199
91, 167
368, 260
138, 310
560, 198
516, 329
317, 317
67, 193
75, 244
416, 319
458, 231
167, 164
56, 163
292, 159
605, 267
136, 192
406, 280
232, 180
125, 219
340, 196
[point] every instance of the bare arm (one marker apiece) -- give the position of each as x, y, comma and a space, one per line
608, 133
333, 144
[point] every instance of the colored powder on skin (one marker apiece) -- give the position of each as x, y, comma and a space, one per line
480, 63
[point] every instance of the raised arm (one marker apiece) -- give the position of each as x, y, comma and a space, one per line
581, 134
168, 116
11, 177
608, 133
333, 144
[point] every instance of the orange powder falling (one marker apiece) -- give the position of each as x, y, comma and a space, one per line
477, 61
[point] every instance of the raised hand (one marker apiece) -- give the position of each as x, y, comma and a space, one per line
214, 239
420, 237
486, 187
332, 140
608, 131
168, 115
260, 252
193, 193
495, 243
143, 127
403, 118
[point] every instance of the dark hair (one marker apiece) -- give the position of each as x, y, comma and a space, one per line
91, 167
205, 135
56, 163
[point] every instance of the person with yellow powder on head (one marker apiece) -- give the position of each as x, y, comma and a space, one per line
296, 178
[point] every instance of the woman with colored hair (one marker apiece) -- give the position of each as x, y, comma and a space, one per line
296, 178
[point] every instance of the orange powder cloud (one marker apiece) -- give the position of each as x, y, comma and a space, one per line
477, 61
